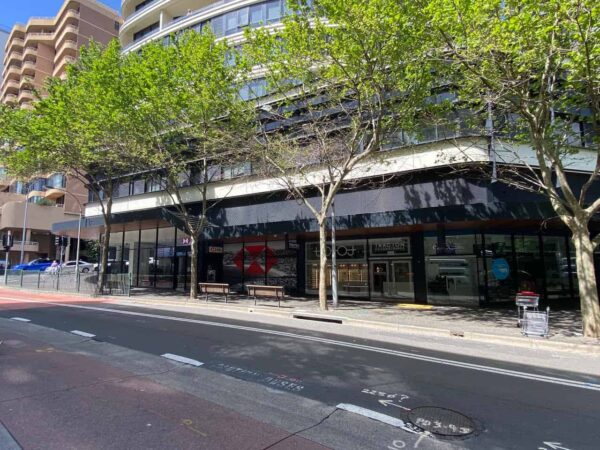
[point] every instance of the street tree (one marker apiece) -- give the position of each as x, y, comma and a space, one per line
195, 125
343, 76
83, 127
537, 66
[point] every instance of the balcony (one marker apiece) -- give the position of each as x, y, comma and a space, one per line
26, 96
43, 37
9, 99
12, 72
16, 45
30, 54
68, 48
59, 69
28, 68
13, 57
69, 32
26, 83
11, 86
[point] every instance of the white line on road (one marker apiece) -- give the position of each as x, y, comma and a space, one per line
182, 359
83, 333
393, 421
20, 319
369, 348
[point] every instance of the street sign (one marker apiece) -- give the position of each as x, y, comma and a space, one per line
7, 241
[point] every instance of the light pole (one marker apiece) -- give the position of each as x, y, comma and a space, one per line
24, 232
334, 290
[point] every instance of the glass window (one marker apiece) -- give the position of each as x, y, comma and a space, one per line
122, 189
138, 186
243, 17
130, 259
556, 267
273, 11
233, 266
147, 262
257, 15
451, 245
501, 270
530, 269
216, 24
231, 22
452, 280
165, 253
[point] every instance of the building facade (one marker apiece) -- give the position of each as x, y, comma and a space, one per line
3, 39
44, 46
33, 52
432, 235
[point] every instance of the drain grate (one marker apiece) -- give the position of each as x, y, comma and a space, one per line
441, 421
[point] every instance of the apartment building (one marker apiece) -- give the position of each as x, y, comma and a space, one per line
44, 46
39, 49
438, 238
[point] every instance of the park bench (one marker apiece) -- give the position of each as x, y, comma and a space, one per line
214, 288
255, 290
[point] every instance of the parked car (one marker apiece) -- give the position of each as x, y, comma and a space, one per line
35, 265
69, 266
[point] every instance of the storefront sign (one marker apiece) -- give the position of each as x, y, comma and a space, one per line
215, 249
344, 251
447, 248
186, 241
500, 269
393, 247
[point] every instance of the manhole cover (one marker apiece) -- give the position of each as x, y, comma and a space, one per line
441, 421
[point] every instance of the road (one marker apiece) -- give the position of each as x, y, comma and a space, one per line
456, 402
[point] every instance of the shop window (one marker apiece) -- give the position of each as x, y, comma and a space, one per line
501, 270
450, 245
530, 268
556, 267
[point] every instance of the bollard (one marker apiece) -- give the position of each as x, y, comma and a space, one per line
57, 279
21, 280
39, 276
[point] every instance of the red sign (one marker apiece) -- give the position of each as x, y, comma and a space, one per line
255, 259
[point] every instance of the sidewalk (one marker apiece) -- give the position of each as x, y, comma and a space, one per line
497, 326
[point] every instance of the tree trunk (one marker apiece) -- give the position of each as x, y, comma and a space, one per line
586, 279
194, 274
104, 256
323, 265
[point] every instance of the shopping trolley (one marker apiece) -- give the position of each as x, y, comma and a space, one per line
526, 301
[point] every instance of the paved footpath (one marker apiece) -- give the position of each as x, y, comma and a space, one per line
67, 400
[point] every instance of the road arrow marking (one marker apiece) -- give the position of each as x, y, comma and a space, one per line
391, 403
20, 319
83, 333
393, 421
555, 445
183, 359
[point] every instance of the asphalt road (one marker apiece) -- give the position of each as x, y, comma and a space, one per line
484, 404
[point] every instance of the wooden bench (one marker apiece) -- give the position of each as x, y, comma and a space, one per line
265, 291
214, 288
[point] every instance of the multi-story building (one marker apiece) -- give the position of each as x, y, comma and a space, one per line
440, 237
44, 46
33, 52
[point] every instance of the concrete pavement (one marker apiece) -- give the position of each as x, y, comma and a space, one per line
297, 378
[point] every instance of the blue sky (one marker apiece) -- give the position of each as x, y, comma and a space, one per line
19, 11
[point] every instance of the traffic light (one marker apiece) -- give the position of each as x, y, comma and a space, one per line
7, 241
56, 241
66, 241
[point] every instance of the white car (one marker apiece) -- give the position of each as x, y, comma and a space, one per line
69, 267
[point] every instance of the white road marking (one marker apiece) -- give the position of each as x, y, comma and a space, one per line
83, 333
20, 319
369, 348
182, 359
393, 421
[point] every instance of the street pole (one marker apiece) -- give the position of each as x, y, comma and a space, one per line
24, 231
78, 242
7, 241
334, 287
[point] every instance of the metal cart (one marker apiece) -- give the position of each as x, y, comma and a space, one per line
526, 301
536, 323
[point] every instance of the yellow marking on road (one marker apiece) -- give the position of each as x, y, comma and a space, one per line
413, 306
45, 350
190, 426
